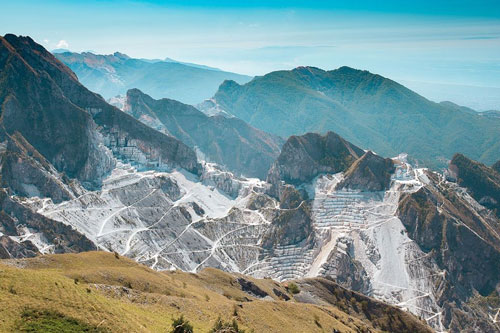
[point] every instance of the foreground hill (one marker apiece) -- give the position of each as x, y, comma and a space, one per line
98, 292
227, 141
114, 74
369, 110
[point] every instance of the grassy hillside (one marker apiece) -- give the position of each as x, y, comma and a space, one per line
369, 110
101, 292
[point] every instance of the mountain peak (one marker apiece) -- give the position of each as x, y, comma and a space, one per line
304, 157
496, 166
121, 55
347, 69
229, 84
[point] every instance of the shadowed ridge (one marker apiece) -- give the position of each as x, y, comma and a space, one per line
482, 182
496, 166
304, 157
43, 100
369, 173
229, 142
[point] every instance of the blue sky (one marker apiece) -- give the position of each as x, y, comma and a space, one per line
450, 42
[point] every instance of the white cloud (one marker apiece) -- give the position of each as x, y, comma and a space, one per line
62, 44
46, 41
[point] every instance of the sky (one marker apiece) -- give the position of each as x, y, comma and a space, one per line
441, 42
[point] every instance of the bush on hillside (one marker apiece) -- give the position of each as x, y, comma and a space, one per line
293, 288
181, 325
226, 327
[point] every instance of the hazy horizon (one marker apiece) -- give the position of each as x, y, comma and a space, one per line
442, 43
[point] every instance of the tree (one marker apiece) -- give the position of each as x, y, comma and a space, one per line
226, 327
181, 325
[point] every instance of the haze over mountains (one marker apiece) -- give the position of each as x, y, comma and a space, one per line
114, 74
367, 109
167, 186
229, 142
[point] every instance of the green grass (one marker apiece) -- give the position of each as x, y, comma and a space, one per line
36, 320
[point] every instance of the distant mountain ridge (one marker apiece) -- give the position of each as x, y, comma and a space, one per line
114, 74
369, 110
230, 142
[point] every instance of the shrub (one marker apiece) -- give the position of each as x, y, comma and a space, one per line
364, 306
316, 320
226, 327
181, 325
34, 320
293, 288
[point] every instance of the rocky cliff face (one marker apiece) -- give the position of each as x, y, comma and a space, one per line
369, 173
34, 105
304, 157
447, 223
70, 126
482, 182
292, 223
27, 173
57, 139
229, 142
25, 233
378, 242
496, 166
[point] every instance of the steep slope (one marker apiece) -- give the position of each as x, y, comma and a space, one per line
369, 110
229, 142
400, 234
104, 293
369, 173
482, 183
496, 166
462, 238
33, 104
27, 173
111, 75
73, 128
304, 157
57, 136
380, 227
24, 233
